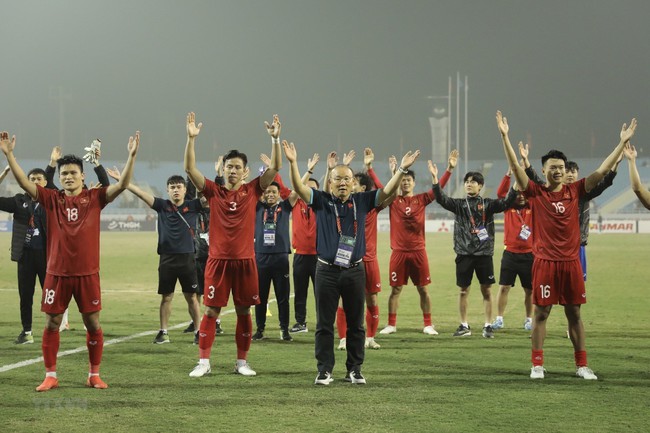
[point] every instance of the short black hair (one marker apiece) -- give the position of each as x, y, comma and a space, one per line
315, 181
234, 153
37, 171
365, 180
275, 184
476, 176
410, 173
70, 159
176, 179
553, 154
572, 165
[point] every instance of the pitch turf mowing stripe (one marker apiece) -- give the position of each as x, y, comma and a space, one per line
106, 343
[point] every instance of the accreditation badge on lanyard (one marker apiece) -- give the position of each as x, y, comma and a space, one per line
269, 234
346, 243
344, 252
269, 228
525, 232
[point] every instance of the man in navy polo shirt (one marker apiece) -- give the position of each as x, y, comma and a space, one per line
272, 248
341, 245
176, 219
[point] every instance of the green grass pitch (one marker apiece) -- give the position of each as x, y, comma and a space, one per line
416, 383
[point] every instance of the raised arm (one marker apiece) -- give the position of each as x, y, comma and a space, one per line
4, 173
116, 189
332, 161
635, 180
189, 159
303, 191
627, 132
139, 192
444, 200
7, 146
275, 165
391, 187
520, 174
311, 163
50, 170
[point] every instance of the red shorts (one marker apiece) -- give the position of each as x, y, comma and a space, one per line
224, 276
412, 264
373, 278
556, 282
57, 292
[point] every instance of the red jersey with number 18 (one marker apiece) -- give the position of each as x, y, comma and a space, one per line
556, 224
72, 230
232, 220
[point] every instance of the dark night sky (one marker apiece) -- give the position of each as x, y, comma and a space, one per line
341, 73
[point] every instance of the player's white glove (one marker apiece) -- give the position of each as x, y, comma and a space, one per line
91, 156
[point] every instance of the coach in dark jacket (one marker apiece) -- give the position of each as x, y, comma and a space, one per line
27, 248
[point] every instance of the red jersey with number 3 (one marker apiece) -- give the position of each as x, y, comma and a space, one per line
556, 224
232, 220
72, 230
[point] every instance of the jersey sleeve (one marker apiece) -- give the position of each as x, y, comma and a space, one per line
375, 179
445, 178
209, 188
504, 186
44, 196
284, 191
158, 204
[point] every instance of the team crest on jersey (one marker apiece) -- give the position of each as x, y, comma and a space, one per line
84, 200
61, 201
479, 207
566, 195
350, 205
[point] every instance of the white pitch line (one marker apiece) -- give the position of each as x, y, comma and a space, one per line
28, 362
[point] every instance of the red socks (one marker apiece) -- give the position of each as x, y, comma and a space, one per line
427, 319
243, 335
95, 345
581, 358
537, 357
207, 332
50, 346
372, 320
341, 323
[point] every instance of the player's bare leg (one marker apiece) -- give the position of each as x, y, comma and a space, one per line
539, 326
463, 302
193, 308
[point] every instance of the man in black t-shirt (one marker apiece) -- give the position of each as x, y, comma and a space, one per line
177, 218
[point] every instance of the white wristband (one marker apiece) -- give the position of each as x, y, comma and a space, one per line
275, 140
402, 170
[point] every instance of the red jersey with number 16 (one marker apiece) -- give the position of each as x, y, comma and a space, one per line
556, 225
72, 230
232, 220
